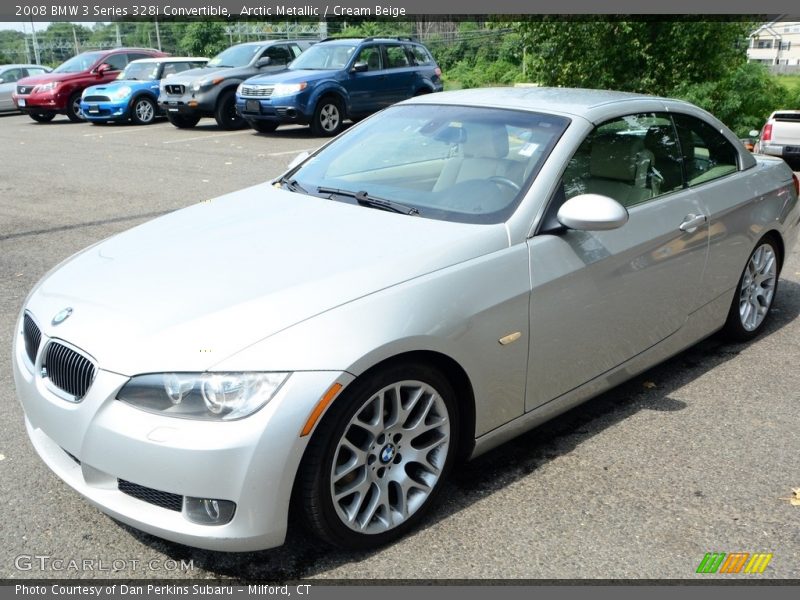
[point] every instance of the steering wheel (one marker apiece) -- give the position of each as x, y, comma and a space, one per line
505, 181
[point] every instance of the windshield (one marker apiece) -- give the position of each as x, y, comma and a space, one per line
325, 57
453, 163
238, 56
145, 71
77, 64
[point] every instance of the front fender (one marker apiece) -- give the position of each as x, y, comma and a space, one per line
461, 312
328, 87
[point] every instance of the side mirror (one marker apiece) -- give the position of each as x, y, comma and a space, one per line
592, 212
754, 133
263, 62
359, 67
298, 159
103, 69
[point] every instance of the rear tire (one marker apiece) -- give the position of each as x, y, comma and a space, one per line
263, 126
225, 113
74, 112
183, 121
42, 117
755, 293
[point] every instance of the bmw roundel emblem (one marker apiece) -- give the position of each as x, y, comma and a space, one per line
62, 315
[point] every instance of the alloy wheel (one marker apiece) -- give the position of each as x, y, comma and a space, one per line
758, 287
390, 457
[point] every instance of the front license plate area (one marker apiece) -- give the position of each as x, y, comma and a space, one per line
252, 106
21, 102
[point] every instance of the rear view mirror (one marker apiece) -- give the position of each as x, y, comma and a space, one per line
359, 67
103, 69
263, 61
592, 212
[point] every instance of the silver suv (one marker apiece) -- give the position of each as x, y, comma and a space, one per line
211, 91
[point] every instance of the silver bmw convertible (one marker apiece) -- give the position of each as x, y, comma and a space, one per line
445, 275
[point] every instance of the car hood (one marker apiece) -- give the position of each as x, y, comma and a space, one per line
187, 290
297, 76
107, 88
48, 77
210, 72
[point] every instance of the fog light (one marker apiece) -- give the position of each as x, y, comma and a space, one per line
208, 511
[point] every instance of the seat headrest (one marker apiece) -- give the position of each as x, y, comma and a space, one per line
486, 141
615, 157
660, 140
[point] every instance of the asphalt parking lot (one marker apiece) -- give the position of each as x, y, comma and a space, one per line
697, 455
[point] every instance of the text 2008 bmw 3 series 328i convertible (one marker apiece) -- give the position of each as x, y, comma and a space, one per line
441, 277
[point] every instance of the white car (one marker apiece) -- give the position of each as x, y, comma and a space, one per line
445, 275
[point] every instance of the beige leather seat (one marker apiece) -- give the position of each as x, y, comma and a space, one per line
618, 168
484, 155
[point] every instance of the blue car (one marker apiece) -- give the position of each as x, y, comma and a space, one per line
134, 94
337, 79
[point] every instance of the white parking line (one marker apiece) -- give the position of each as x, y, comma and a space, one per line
290, 152
129, 129
207, 137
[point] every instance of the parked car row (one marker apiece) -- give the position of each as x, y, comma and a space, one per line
261, 84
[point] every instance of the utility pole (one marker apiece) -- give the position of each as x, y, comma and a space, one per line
35, 44
158, 35
119, 39
75, 37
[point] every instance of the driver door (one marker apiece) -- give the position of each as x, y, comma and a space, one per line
599, 298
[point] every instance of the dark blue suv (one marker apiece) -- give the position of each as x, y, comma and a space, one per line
337, 79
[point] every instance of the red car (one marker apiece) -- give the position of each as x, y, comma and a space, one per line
59, 92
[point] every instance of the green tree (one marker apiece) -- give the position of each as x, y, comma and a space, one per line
648, 56
742, 97
204, 38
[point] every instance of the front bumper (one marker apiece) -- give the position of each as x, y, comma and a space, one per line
40, 103
95, 443
105, 111
190, 103
282, 110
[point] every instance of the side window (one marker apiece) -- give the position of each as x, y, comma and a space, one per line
395, 56
116, 61
372, 56
631, 159
421, 56
11, 75
137, 55
279, 54
31, 71
296, 51
707, 154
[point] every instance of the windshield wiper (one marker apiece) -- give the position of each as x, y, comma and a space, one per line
292, 185
365, 199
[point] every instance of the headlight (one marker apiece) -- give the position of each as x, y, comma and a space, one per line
287, 89
120, 92
206, 83
197, 85
205, 396
48, 87
239, 89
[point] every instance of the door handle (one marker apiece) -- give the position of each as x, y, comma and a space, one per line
692, 222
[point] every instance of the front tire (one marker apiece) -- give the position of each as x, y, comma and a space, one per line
183, 121
143, 111
42, 117
377, 460
74, 112
328, 117
225, 112
755, 293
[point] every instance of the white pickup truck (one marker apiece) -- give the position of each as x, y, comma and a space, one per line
781, 136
